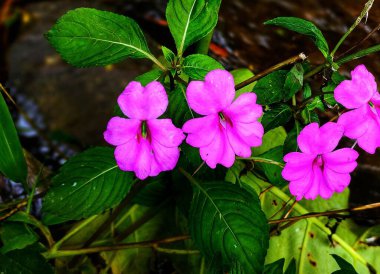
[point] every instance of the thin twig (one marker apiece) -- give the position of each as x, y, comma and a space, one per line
97, 249
327, 213
290, 209
291, 60
360, 42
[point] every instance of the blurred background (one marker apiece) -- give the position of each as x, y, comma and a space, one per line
71, 106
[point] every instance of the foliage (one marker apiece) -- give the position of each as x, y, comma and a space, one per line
198, 220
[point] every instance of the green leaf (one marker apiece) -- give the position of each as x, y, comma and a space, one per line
292, 269
227, 220
179, 110
12, 161
156, 191
316, 104
270, 89
241, 75
16, 236
196, 66
358, 54
87, 184
169, 55
309, 116
87, 37
275, 267
293, 81
146, 78
277, 116
25, 261
303, 27
270, 170
271, 139
137, 260
291, 144
191, 20
306, 91
345, 267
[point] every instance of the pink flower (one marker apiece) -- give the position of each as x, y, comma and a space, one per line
318, 170
361, 95
144, 144
228, 127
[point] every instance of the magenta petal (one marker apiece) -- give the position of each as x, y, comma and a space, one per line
299, 187
315, 140
330, 135
143, 103
355, 122
358, 91
218, 151
337, 181
296, 171
370, 141
143, 160
239, 146
164, 132
126, 155
121, 130
342, 160
212, 95
201, 131
251, 133
314, 188
244, 109
299, 158
166, 157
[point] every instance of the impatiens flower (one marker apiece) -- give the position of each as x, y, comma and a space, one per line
229, 126
317, 169
361, 95
144, 144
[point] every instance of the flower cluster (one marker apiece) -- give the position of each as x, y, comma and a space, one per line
318, 169
148, 145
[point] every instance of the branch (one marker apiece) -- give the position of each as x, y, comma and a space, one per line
291, 60
97, 249
327, 213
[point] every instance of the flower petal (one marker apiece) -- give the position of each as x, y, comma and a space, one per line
358, 91
126, 155
212, 95
244, 109
341, 160
201, 131
166, 157
218, 151
315, 140
299, 187
164, 132
143, 103
296, 171
120, 130
336, 181
144, 159
355, 122
370, 141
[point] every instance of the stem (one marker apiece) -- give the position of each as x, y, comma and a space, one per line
291, 60
315, 70
145, 244
262, 160
72, 232
327, 213
158, 63
135, 189
367, 7
203, 45
146, 217
175, 251
360, 42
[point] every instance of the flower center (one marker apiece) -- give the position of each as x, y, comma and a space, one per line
144, 132
223, 119
319, 161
